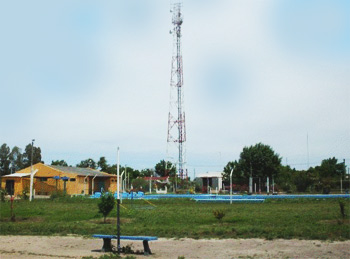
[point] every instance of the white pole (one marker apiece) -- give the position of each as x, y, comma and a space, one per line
118, 205
31, 184
93, 184
150, 185
126, 179
341, 185
250, 184
268, 185
121, 197
118, 174
31, 174
231, 185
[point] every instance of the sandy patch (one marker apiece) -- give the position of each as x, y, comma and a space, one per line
77, 247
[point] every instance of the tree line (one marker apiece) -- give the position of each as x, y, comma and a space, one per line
258, 161
261, 161
12, 160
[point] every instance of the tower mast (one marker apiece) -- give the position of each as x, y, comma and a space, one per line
176, 118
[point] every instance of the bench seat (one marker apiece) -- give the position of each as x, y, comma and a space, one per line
107, 245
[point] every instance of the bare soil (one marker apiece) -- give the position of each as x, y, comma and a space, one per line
77, 247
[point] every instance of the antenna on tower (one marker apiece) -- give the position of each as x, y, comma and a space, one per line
176, 117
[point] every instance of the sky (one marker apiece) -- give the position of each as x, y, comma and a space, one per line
85, 77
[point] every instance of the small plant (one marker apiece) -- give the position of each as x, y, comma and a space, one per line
127, 249
342, 208
2, 194
57, 194
25, 195
219, 214
13, 217
106, 204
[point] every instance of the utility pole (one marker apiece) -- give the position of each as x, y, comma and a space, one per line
231, 186
31, 194
307, 147
251, 178
118, 204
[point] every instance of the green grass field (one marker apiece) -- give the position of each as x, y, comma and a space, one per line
301, 219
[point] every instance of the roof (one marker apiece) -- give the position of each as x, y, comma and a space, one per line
81, 171
17, 175
210, 175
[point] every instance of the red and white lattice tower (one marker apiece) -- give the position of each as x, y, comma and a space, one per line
176, 119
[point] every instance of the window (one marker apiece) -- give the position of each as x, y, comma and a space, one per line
72, 179
43, 179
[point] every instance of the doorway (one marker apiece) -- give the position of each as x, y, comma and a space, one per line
10, 187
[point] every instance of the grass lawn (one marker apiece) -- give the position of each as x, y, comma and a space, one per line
301, 219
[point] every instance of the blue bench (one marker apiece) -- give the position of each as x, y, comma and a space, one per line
107, 244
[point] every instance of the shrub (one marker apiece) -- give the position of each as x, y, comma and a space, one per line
342, 208
106, 204
219, 214
25, 195
57, 194
2, 194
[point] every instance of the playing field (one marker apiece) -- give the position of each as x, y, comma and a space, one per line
179, 218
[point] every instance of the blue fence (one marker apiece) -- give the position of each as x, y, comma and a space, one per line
224, 198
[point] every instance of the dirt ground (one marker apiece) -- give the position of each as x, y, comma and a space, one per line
77, 247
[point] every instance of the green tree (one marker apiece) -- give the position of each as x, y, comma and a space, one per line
102, 164
259, 161
284, 180
330, 168
131, 173
59, 162
328, 174
140, 184
238, 176
27, 155
165, 168
87, 163
4, 160
302, 180
16, 159
147, 172
106, 204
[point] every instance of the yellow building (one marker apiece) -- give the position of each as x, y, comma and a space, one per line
50, 178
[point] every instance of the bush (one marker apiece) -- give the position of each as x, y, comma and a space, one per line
25, 195
342, 208
106, 204
57, 194
219, 214
2, 194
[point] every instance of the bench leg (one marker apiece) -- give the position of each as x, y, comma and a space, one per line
146, 249
107, 245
